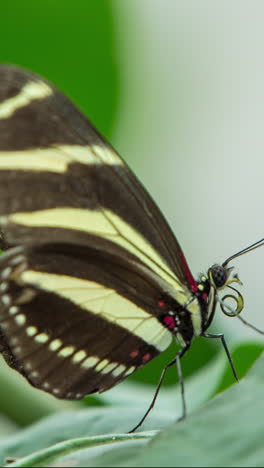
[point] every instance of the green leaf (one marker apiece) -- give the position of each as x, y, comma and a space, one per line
75, 424
134, 398
48, 456
228, 431
244, 355
198, 389
22, 403
85, 437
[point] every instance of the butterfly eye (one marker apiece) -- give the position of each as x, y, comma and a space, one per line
219, 275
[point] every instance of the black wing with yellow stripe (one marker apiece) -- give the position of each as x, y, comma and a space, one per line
93, 283
49, 149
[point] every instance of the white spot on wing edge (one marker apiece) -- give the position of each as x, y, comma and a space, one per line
13, 310
20, 319
42, 338
31, 331
130, 371
90, 362
46, 385
28, 366
67, 351
101, 365
31, 91
6, 300
109, 368
55, 345
6, 273
79, 356
119, 370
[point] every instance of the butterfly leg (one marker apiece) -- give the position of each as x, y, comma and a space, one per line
229, 357
176, 361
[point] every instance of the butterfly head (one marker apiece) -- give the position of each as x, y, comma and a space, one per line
209, 287
219, 275
218, 278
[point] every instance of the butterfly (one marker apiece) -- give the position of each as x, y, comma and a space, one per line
93, 283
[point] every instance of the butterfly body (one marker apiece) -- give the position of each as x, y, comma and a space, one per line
93, 282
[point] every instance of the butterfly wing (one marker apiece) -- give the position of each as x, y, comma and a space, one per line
57, 171
76, 320
80, 312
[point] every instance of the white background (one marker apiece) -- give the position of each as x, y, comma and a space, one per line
191, 126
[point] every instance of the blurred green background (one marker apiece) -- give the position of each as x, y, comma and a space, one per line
79, 47
71, 43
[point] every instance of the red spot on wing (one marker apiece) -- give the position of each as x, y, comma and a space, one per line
169, 321
205, 296
146, 357
134, 354
161, 303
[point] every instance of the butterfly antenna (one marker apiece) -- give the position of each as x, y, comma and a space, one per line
235, 313
239, 299
248, 324
254, 246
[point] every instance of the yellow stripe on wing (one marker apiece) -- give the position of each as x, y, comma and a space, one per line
30, 92
107, 225
105, 302
57, 158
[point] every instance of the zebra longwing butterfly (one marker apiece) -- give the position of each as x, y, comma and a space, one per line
94, 284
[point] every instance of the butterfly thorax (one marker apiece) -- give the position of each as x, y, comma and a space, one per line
195, 316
